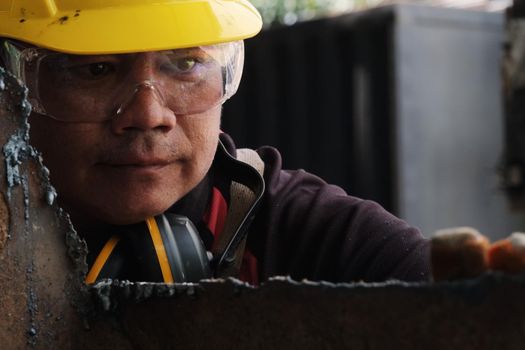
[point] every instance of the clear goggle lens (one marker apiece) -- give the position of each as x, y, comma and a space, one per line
96, 88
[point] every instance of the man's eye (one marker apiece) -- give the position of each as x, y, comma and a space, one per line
185, 65
92, 71
100, 69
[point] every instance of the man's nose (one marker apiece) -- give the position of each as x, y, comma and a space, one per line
145, 109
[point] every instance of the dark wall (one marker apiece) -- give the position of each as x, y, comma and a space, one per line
320, 91
513, 165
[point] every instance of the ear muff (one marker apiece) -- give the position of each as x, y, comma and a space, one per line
180, 250
166, 248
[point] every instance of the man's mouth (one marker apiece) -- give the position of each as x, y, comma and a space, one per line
137, 161
138, 164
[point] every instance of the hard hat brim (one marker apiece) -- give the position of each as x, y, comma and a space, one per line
136, 28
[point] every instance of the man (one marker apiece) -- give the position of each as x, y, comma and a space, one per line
126, 103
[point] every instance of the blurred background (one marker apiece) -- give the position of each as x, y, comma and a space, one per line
402, 103
289, 12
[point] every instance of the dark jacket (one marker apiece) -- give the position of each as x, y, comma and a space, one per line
306, 228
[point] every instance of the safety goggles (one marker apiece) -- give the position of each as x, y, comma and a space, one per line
97, 88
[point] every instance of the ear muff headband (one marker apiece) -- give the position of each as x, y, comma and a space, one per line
154, 232
101, 260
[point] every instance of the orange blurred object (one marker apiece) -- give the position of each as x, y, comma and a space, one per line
508, 255
457, 253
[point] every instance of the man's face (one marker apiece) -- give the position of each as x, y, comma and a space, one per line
134, 165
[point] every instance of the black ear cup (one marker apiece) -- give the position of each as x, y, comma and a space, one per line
166, 248
184, 248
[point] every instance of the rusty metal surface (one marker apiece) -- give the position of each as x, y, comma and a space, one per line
36, 272
485, 313
44, 304
4, 221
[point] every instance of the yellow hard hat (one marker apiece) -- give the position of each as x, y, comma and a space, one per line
123, 26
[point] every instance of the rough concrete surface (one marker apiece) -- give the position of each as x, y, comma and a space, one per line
44, 304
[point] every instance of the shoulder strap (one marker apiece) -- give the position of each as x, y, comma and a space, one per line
242, 201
